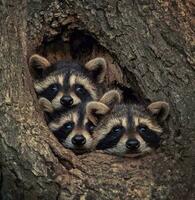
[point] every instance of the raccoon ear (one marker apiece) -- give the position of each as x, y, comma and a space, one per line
111, 98
98, 68
160, 109
45, 105
95, 110
38, 64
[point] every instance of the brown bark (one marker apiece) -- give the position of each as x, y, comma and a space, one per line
151, 44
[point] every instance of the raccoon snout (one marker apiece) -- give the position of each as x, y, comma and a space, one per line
132, 144
78, 140
66, 100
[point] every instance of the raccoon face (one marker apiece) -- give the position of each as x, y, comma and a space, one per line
126, 130
73, 130
63, 85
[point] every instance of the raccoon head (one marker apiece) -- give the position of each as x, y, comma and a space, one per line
73, 130
127, 130
63, 85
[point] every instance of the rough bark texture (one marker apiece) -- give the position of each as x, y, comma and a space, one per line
152, 43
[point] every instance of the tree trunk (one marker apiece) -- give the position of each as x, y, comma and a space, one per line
149, 46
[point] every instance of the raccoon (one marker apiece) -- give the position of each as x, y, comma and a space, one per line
63, 85
73, 130
126, 130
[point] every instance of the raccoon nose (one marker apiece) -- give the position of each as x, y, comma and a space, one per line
78, 140
132, 144
66, 100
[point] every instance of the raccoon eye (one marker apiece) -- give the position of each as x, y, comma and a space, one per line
68, 126
54, 88
142, 129
117, 129
149, 136
90, 127
79, 89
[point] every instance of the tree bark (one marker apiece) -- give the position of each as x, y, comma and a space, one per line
149, 46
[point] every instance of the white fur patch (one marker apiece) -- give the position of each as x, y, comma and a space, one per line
76, 100
72, 80
56, 101
61, 80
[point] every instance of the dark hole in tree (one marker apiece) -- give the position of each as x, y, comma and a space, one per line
81, 46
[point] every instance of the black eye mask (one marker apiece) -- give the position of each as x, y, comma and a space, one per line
111, 138
90, 127
50, 92
62, 133
81, 92
149, 136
